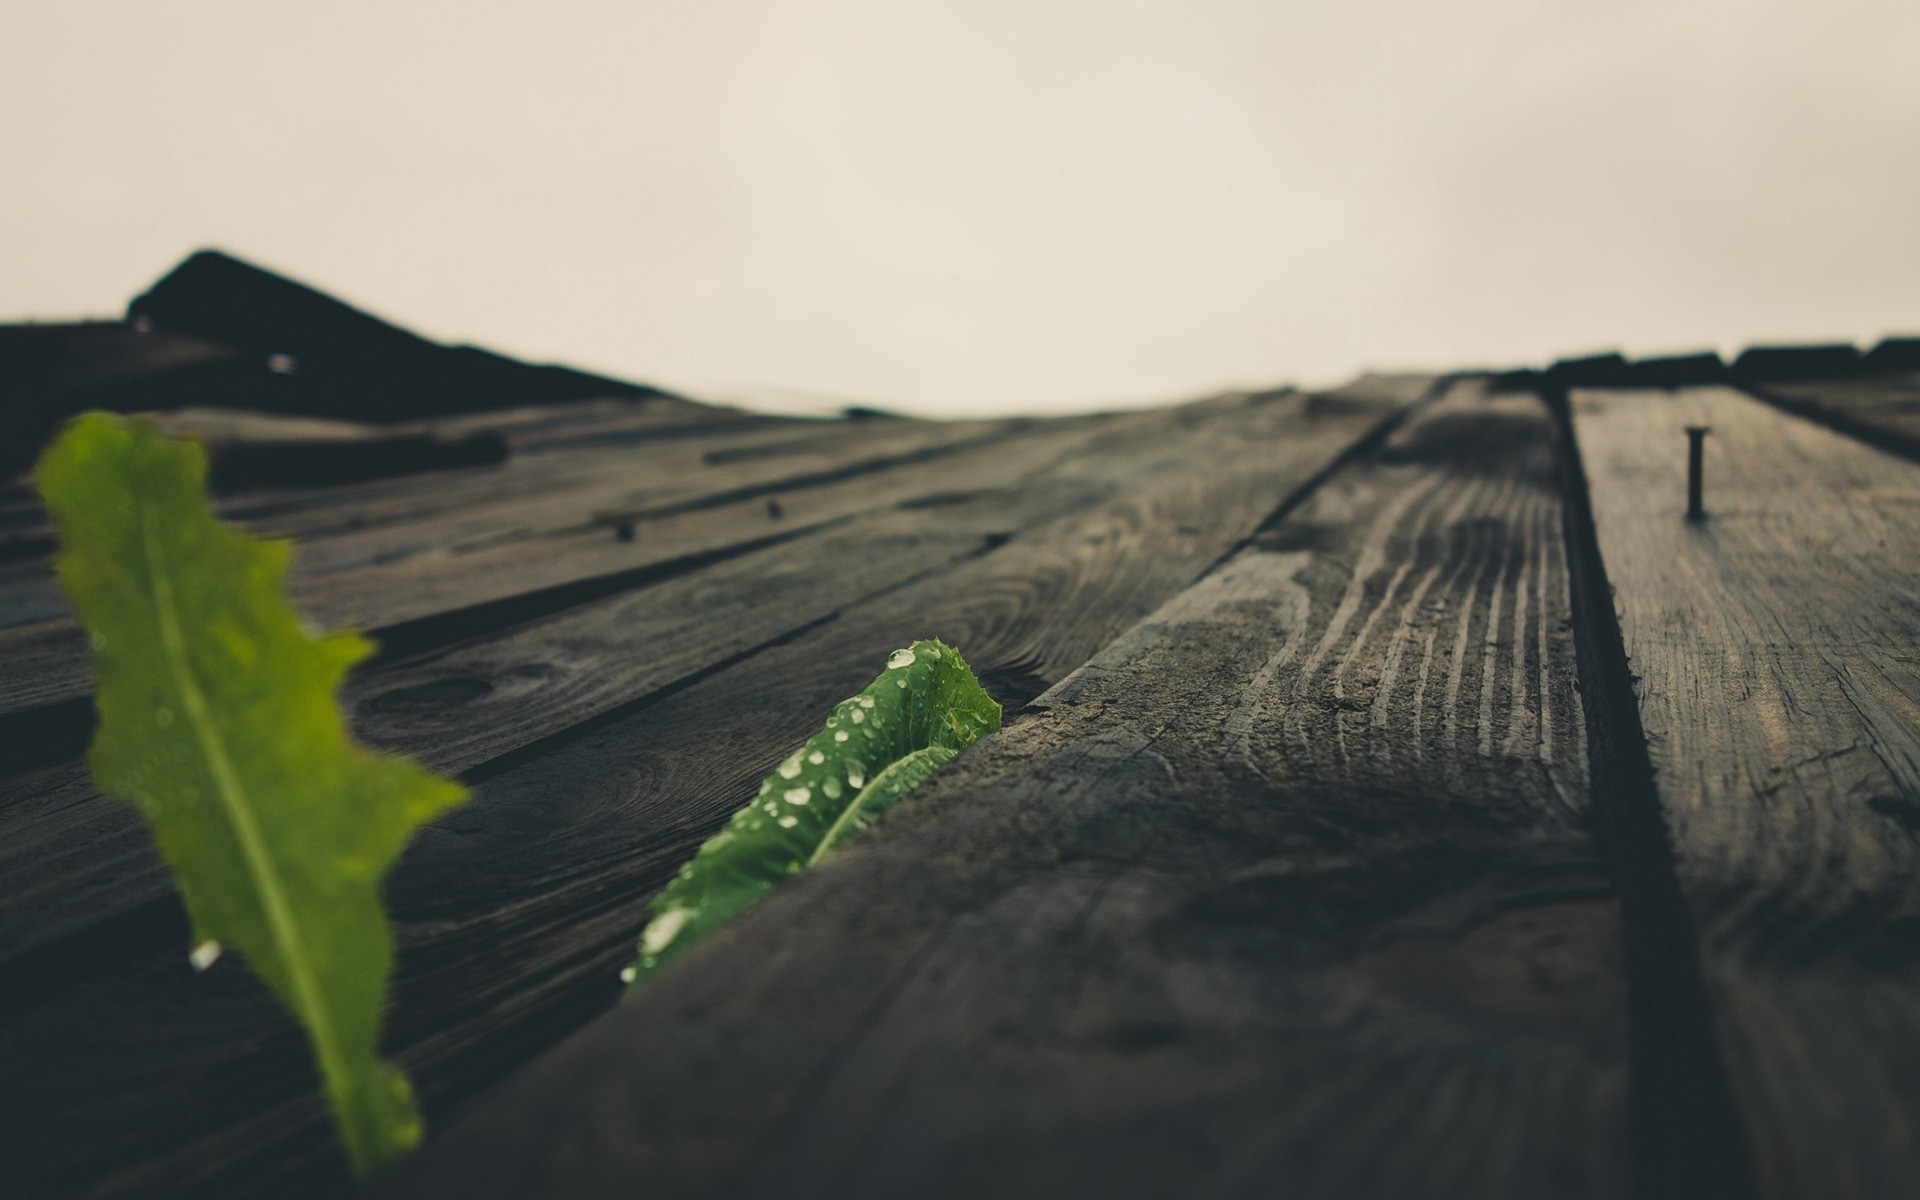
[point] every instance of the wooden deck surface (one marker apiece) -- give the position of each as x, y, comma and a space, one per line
1398, 798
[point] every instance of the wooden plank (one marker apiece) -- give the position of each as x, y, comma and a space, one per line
1287, 892
73, 860
513, 918
1883, 410
522, 500
436, 588
1776, 650
432, 599
580, 429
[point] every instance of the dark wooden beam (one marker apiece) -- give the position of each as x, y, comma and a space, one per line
1286, 892
1776, 653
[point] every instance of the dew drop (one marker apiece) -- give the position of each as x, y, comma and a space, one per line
629, 974
832, 788
205, 955
839, 735
933, 652
661, 931
799, 795
790, 768
900, 683
858, 716
900, 658
816, 758
866, 702
788, 822
856, 778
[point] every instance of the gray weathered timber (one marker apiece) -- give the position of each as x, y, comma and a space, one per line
513, 920
363, 573
1884, 409
1776, 647
431, 598
594, 437
343, 527
73, 859
1286, 892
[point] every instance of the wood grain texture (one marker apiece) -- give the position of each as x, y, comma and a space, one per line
514, 919
1286, 892
584, 433
72, 859
522, 508
1883, 410
1776, 647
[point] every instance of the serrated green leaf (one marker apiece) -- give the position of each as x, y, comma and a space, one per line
874, 749
218, 723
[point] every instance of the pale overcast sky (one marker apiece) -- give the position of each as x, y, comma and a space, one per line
988, 205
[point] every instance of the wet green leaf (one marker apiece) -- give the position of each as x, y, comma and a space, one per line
875, 748
218, 723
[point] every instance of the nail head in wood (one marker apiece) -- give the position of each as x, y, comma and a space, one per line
1696, 436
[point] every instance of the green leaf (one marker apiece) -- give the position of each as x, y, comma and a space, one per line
875, 748
218, 722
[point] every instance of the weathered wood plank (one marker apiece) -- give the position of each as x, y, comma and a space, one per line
513, 919
72, 859
1286, 892
1776, 647
432, 599
1883, 410
584, 431
527, 501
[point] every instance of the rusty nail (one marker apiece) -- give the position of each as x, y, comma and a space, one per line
1696, 435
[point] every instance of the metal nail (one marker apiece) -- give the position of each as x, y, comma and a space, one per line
1696, 436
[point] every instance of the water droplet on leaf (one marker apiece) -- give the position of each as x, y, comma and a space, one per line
663, 929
